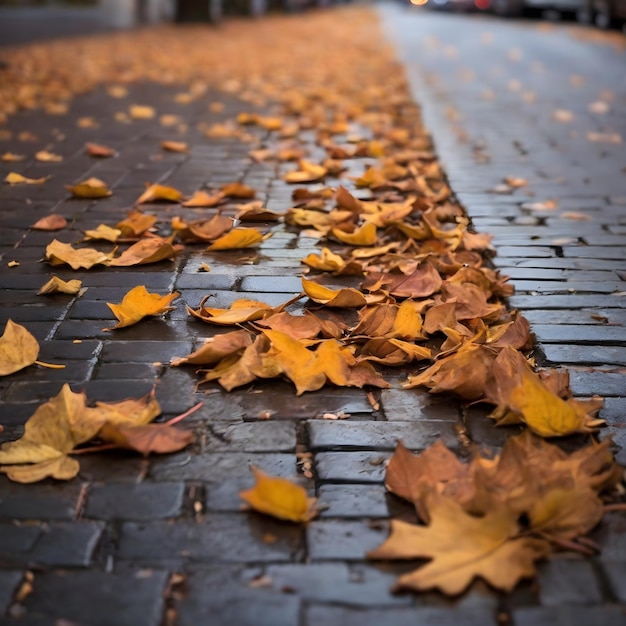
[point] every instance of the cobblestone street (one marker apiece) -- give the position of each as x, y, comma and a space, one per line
162, 540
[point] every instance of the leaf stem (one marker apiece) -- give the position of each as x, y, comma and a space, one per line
182, 416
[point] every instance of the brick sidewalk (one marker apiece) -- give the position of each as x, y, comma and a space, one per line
105, 548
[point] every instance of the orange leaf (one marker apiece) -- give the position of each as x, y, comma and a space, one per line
90, 188
139, 303
238, 190
13, 178
341, 298
203, 199
157, 193
99, 151
175, 146
239, 238
50, 222
159, 438
147, 251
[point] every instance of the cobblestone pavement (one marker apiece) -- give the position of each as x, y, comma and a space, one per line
103, 548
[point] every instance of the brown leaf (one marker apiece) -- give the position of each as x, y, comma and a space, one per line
158, 438
238, 190
175, 146
50, 222
342, 298
147, 251
57, 285
203, 199
217, 348
136, 223
99, 151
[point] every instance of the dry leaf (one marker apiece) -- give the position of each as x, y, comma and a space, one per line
9, 157
90, 188
204, 199
138, 303
279, 498
216, 348
50, 222
159, 193
147, 251
462, 547
58, 253
240, 311
18, 348
99, 151
141, 112
103, 233
48, 157
238, 190
159, 438
308, 173
60, 468
341, 298
239, 238
57, 285
136, 223
175, 146
13, 178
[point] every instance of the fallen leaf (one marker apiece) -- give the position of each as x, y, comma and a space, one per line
139, 303
175, 146
48, 157
280, 498
50, 222
13, 178
341, 298
99, 151
240, 311
216, 348
462, 547
135, 224
9, 157
239, 238
58, 253
141, 112
57, 285
159, 193
103, 233
90, 188
159, 438
60, 468
238, 190
204, 199
147, 251
308, 173
18, 348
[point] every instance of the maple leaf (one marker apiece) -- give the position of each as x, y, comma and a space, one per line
462, 547
18, 348
279, 498
92, 188
139, 303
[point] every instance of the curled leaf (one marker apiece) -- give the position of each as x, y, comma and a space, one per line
58, 285
90, 188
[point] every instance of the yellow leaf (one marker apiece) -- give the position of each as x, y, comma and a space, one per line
156, 193
341, 298
136, 223
57, 285
48, 157
308, 173
462, 547
18, 348
58, 253
240, 311
279, 498
140, 112
363, 236
90, 188
175, 146
130, 412
239, 238
238, 190
61, 468
9, 157
139, 303
216, 348
159, 438
13, 178
204, 199
103, 233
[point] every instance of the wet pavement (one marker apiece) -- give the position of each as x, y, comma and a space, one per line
163, 541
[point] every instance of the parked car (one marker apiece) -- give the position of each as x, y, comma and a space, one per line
515, 8
603, 13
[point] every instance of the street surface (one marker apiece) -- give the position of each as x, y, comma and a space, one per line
162, 541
